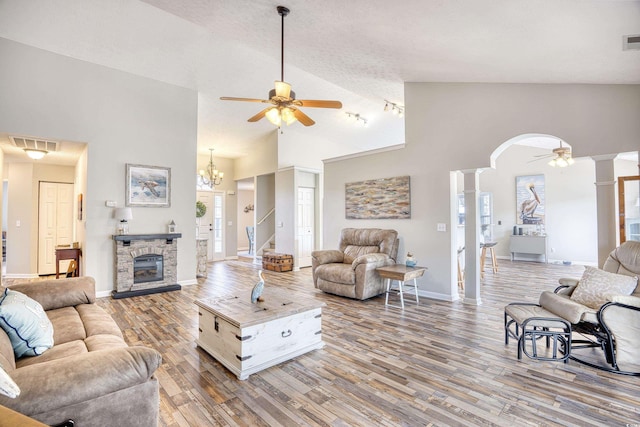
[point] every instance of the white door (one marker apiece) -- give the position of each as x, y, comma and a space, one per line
305, 226
211, 224
205, 223
55, 224
218, 225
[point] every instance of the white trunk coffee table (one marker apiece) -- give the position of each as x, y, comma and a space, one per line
247, 338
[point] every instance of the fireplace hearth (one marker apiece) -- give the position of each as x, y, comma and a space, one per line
145, 264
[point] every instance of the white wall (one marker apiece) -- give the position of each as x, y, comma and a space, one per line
262, 160
286, 195
457, 126
123, 119
570, 203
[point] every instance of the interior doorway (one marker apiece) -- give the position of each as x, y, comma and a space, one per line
211, 224
55, 224
305, 230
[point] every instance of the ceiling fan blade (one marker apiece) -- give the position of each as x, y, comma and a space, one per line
230, 98
260, 115
314, 103
303, 118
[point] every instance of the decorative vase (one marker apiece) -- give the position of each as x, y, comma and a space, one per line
410, 261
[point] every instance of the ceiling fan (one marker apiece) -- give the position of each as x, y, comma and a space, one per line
561, 156
284, 106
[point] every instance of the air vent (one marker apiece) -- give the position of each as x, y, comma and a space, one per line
33, 143
631, 42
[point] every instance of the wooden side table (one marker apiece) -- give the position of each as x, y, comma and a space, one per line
68, 253
401, 273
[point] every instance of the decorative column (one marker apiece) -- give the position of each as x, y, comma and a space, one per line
471, 238
201, 255
605, 206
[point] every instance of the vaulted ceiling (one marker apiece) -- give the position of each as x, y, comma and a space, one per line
358, 51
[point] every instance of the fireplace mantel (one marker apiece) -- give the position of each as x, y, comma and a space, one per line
127, 238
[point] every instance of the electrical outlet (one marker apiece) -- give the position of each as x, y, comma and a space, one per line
442, 226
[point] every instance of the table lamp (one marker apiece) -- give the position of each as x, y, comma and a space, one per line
123, 215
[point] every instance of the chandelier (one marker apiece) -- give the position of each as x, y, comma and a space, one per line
212, 176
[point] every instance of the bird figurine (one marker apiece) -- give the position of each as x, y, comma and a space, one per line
529, 206
257, 289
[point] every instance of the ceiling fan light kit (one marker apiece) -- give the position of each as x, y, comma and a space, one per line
563, 157
284, 108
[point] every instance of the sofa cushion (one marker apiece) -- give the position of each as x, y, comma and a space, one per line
58, 351
26, 324
596, 287
56, 293
96, 321
563, 306
352, 252
67, 325
337, 273
104, 342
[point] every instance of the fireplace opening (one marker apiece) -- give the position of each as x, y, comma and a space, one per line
147, 268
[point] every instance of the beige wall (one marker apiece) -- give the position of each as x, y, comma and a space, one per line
123, 119
453, 127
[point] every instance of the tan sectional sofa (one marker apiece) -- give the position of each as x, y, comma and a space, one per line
90, 375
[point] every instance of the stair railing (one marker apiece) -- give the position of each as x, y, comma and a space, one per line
264, 218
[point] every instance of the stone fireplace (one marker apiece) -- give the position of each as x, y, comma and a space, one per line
145, 264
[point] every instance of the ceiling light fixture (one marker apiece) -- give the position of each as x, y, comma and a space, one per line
356, 117
285, 105
35, 154
212, 176
563, 157
395, 108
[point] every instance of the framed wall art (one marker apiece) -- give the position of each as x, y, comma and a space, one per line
148, 186
80, 207
385, 198
530, 193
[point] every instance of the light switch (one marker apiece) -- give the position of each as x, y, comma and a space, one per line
110, 203
18, 223
442, 226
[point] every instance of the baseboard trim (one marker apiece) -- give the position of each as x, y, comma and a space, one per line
20, 276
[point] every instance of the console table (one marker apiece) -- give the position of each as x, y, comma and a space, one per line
68, 253
247, 338
536, 245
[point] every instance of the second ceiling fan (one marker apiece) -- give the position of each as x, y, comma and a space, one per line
283, 100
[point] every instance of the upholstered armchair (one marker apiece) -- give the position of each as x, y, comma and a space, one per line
350, 270
606, 312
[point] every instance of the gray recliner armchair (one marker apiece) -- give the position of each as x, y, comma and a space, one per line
350, 271
614, 326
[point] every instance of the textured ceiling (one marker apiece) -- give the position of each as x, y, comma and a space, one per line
358, 51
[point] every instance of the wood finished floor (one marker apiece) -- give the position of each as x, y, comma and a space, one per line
436, 363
